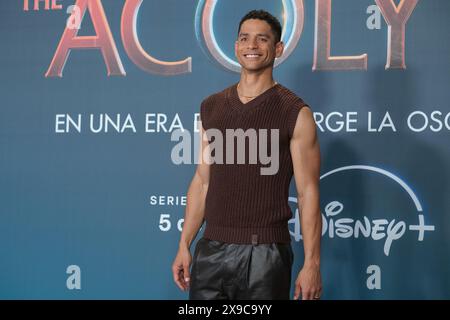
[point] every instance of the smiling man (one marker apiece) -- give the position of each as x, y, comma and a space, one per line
245, 251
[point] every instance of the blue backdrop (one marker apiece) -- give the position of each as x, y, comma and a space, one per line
88, 214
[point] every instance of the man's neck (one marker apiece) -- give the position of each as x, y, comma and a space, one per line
251, 85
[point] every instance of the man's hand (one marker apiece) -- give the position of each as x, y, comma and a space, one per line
180, 268
308, 283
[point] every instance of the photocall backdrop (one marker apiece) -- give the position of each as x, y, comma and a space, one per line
91, 202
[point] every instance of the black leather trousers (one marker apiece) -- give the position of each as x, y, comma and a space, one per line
240, 271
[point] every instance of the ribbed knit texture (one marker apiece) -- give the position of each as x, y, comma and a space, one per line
242, 205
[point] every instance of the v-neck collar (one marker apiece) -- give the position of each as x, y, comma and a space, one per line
238, 104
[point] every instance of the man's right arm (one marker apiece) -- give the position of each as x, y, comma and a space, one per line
194, 215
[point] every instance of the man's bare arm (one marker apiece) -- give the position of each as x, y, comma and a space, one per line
193, 217
196, 196
305, 152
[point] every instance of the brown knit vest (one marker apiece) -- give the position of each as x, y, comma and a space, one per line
242, 205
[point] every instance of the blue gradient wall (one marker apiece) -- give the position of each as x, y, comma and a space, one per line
102, 201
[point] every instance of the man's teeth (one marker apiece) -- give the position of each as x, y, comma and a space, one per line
251, 55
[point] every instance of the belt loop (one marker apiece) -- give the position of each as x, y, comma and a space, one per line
254, 239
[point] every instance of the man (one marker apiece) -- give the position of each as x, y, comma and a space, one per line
245, 251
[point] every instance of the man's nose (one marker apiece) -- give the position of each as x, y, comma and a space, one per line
252, 43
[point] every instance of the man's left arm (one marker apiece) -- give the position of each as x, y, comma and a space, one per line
305, 153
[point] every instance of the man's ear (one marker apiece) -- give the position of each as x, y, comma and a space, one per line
279, 48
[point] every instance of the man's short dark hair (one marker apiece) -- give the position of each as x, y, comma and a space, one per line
265, 16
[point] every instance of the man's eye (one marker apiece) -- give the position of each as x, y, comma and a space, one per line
263, 39
243, 39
